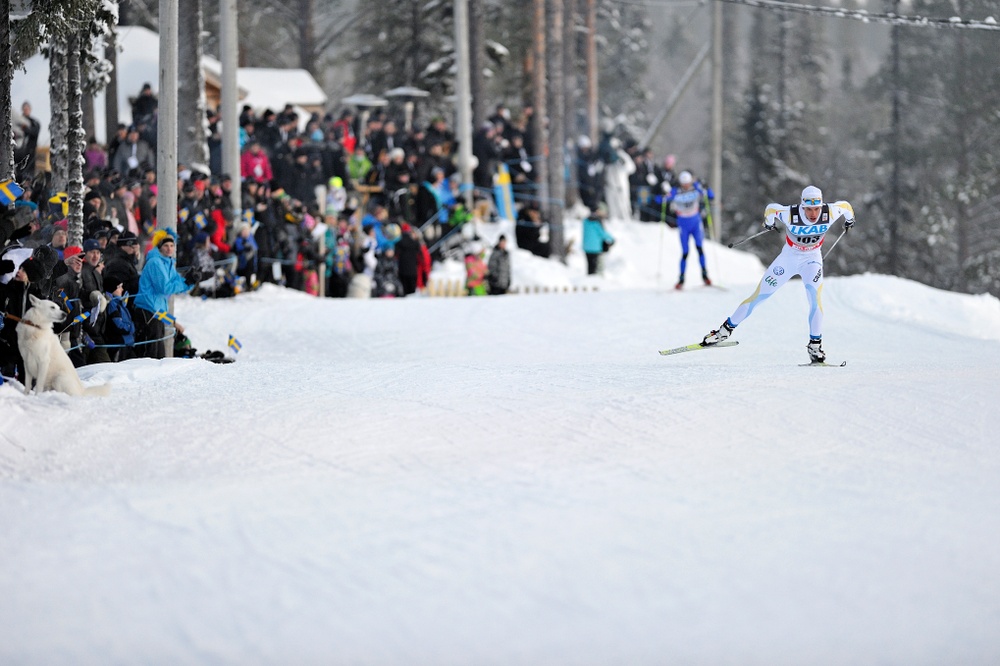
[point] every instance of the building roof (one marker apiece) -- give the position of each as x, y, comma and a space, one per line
138, 63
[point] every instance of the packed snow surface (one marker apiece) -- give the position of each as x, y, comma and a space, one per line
521, 480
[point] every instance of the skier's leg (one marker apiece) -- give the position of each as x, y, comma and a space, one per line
699, 240
812, 280
685, 236
777, 274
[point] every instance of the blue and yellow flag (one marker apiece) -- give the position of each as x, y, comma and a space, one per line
84, 316
166, 318
59, 205
248, 216
235, 344
200, 221
9, 192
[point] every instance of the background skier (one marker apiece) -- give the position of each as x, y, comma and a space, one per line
686, 200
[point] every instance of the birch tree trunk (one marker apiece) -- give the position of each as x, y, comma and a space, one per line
6, 147
58, 125
75, 137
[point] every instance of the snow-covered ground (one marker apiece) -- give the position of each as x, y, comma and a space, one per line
521, 480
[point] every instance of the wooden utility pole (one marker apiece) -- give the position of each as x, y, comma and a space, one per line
229, 56
463, 99
111, 91
592, 104
717, 120
166, 127
894, 195
477, 39
557, 107
539, 100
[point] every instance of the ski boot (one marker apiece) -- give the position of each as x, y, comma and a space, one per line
715, 337
704, 278
815, 349
680, 283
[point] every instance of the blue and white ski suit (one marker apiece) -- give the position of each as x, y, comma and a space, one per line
687, 205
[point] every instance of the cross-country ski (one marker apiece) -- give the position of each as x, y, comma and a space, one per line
697, 346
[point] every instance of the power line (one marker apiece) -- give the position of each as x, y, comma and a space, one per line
988, 23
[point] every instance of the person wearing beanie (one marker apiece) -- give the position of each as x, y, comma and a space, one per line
33, 271
91, 275
806, 224
157, 283
122, 267
161, 235
70, 282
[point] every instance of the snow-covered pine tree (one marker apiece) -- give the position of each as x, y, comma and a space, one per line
948, 86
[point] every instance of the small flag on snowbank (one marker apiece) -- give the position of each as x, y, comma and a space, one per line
235, 344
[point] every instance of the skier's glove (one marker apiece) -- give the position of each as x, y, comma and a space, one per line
848, 223
770, 223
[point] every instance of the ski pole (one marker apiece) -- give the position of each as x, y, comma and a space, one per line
840, 218
749, 238
834, 244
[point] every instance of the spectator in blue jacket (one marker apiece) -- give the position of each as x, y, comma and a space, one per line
595, 238
158, 282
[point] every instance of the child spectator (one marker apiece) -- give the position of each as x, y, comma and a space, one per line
475, 271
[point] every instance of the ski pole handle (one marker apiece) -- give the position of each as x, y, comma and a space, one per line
749, 238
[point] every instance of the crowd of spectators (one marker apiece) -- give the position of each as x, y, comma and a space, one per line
366, 209
334, 205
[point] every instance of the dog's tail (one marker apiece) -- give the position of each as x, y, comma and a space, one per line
102, 390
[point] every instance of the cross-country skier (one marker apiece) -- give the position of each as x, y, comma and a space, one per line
686, 199
806, 224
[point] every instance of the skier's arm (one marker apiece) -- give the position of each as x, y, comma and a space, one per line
772, 215
843, 208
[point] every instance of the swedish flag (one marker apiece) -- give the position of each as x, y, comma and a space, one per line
235, 344
59, 205
9, 192
84, 316
166, 318
248, 216
200, 221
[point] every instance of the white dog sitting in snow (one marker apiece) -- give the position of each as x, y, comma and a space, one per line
46, 365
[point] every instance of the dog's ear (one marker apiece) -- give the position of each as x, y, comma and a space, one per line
34, 300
